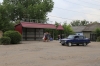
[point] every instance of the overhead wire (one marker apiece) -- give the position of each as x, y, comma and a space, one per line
79, 4
61, 17
76, 11
89, 3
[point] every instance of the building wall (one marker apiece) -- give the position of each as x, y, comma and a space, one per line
79, 33
18, 28
32, 34
86, 34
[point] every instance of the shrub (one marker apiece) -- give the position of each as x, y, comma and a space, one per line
14, 35
5, 40
98, 39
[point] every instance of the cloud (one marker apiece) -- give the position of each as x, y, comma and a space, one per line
83, 11
93, 15
53, 18
1, 1
60, 3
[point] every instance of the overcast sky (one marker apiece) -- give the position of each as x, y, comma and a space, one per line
69, 10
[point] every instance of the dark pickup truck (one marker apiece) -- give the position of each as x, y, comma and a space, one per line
75, 39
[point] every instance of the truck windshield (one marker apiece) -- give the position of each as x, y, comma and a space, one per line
70, 37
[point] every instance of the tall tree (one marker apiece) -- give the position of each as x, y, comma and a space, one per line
97, 31
30, 9
79, 23
4, 20
75, 23
57, 24
67, 29
84, 22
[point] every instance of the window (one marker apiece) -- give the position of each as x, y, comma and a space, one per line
81, 37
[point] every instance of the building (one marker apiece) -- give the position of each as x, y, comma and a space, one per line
32, 31
88, 30
78, 29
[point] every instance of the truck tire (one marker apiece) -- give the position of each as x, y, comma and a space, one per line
63, 44
69, 44
84, 44
77, 44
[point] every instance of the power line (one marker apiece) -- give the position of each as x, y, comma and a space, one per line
89, 3
75, 11
66, 18
78, 4
61, 17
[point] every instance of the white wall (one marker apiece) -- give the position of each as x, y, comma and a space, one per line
79, 33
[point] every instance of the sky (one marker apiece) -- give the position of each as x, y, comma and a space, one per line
69, 10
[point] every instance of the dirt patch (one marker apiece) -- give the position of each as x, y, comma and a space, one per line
35, 53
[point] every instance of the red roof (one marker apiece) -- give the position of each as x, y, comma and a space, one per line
37, 25
60, 27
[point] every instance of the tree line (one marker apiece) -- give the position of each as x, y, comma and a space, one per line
12, 11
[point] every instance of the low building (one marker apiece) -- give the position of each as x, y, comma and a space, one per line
78, 29
33, 31
88, 30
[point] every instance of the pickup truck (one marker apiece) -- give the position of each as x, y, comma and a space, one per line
75, 39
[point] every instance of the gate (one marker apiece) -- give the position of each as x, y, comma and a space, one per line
93, 37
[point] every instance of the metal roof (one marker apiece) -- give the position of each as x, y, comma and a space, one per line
78, 28
92, 27
37, 25
60, 27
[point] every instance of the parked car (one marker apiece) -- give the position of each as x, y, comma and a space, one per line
75, 39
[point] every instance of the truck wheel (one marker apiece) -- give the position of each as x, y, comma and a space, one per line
77, 44
63, 44
69, 44
84, 44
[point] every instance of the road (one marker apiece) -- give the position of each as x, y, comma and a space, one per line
38, 53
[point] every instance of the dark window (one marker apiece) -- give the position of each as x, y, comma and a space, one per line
81, 37
76, 37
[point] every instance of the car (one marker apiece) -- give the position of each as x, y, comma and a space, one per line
75, 39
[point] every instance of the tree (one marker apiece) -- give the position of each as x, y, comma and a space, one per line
79, 23
75, 23
97, 31
4, 20
57, 24
30, 9
67, 29
84, 22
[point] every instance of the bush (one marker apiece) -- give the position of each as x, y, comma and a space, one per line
98, 39
5, 40
14, 35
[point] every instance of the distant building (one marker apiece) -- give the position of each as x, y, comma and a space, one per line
78, 29
88, 30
